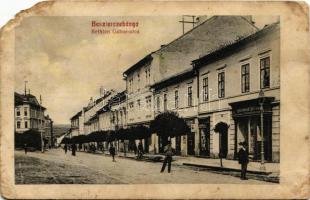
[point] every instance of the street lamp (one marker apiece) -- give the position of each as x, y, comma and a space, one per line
261, 99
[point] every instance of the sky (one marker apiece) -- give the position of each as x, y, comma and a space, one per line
64, 62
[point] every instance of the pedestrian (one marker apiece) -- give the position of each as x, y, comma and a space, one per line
73, 149
243, 157
112, 152
140, 150
66, 148
168, 150
25, 148
135, 148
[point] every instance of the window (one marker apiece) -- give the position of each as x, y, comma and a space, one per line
165, 102
131, 105
176, 99
205, 88
221, 84
265, 73
130, 84
148, 102
158, 103
25, 112
245, 78
189, 96
138, 103
147, 75
18, 124
26, 124
18, 112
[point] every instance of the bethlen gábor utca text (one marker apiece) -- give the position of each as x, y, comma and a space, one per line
118, 27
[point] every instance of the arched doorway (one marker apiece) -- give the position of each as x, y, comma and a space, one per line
222, 129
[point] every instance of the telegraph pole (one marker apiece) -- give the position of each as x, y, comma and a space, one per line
187, 22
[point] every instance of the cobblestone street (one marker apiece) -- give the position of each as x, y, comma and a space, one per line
55, 166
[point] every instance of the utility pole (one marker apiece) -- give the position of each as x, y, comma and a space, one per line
187, 22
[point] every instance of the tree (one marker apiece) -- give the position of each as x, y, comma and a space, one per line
31, 138
169, 124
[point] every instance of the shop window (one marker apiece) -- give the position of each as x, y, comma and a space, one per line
245, 78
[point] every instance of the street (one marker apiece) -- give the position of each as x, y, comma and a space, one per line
56, 167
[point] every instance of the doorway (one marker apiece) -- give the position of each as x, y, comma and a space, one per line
204, 140
222, 129
191, 143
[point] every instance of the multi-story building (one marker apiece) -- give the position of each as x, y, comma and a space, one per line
222, 77
239, 87
175, 58
86, 121
48, 131
75, 123
179, 94
29, 114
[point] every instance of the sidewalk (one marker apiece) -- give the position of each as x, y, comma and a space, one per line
230, 167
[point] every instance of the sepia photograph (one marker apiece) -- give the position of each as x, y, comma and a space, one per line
147, 100
155, 100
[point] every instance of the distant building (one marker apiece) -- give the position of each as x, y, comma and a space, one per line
48, 132
29, 114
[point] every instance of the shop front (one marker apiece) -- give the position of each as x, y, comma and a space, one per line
248, 116
204, 137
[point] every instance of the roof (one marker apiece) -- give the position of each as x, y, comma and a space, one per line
233, 46
174, 79
76, 115
29, 99
100, 99
139, 64
209, 35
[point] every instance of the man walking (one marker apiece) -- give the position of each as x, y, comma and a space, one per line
112, 152
168, 150
25, 148
73, 149
140, 150
243, 159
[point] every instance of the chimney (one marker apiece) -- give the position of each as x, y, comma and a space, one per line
249, 18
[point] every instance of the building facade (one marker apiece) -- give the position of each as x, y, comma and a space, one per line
222, 77
240, 91
48, 131
29, 114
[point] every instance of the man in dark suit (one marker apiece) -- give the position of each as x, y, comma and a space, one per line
243, 159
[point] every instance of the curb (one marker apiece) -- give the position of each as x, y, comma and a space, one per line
216, 168
256, 175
